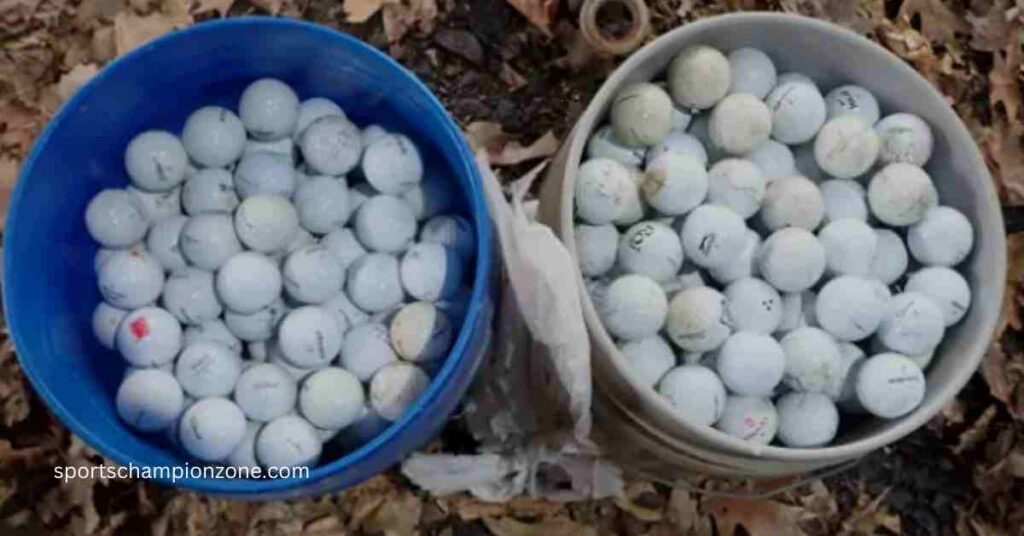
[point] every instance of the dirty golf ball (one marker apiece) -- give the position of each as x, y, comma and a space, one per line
674, 184
699, 76
599, 190
264, 173
849, 308
312, 109
211, 429
852, 100
374, 283
394, 388
392, 164
850, 246
641, 114
269, 109
812, 359
322, 204
331, 398
750, 418
698, 319
737, 185
248, 282
695, 392
331, 145
846, 147
792, 202
156, 161
792, 260
740, 123
905, 138
901, 194
265, 391
596, 249
149, 400
676, 142
385, 224
634, 307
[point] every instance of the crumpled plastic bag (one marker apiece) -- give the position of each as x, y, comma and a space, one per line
539, 358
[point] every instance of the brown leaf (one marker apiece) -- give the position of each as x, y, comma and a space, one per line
514, 153
132, 30
486, 135
104, 44
360, 11
541, 13
642, 500
938, 23
402, 16
976, 432
220, 7
18, 127
74, 79
398, 516
553, 526
273, 7
12, 390
682, 513
869, 516
1004, 79
760, 517
511, 77
470, 508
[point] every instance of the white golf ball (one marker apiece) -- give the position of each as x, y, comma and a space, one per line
844, 199
677, 142
265, 391
793, 77
852, 100
432, 272
743, 264
157, 206
891, 259
849, 308
901, 194
264, 173
850, 246
190, 295
392, 164
453, 231
944, 237
913, 324
905, 138
806, 420
846, 147
633, 307
288, 441
890, 385
792, 202
641, 114
149, 400
212, 331
946, 288
712, 235
698, 319
695, 392
312, 109
309, 337
374, 283
649, 358
813, 360
740, 123
753, 72
209, 240
114, 219
206, 369
312, 274
248, 282
791, 259
209, 190
148, 337
751, 364
699, 76
395, 388
322, 204
266, 223
331, 398
421, 332
130, 279
675, 184
738, 185
213, 137
211, 429
269, 109
798, 111
596, 248
601, 186
774, 159
332, 145
156, 161
750, 418
367, 349
105, 320
754, 306
163, 243
385, 224
652, 249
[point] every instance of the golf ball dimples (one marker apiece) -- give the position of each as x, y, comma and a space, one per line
699, 76
213, 137
453, 231
844, 199
849, 246
944, 237
849, 308
698, 319
596, 248
322, 204
901, 194
392, 164
652, 249
806, 420
288, 441
257, 327
432, 272
649, 358
695, 392
792, 202
752, 71
269, 109
130, 279
367, 349
946, 287
633, 307
212, 331
248, 282
675, 184
813, 360
190, 296
394, 388
331, 398
600, 186
156, 161
602, 144
743, 265
421, 332
312, 109
244, 455
206, 369
750, 418
740, 123
312, 275
385, 224
791, 260
265, 391
208, 240
641, 114
711, 235
905, 138
309, 337
374, 283
855, 101
754, 306
157, 206
114, 219
751, 363
798, 111
677, 142
890, 385
345, 246
266, 223
163, 243
105, 320
891, 259
264, 173
774, 159
332, 145
211, 429
738, 185
913, 324
846, 147
210, 190
149, 400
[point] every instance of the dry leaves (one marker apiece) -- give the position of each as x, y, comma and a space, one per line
502, 150
552, 526
132, 30
760, 517
938, 22
869, 515
541, 13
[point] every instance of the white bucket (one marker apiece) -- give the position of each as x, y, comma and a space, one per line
636, 426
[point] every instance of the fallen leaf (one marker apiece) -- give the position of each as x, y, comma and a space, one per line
18, 127
104, 44
469, 508
938, 23
131, 30
220, 7
12, 390
514, 153
461, 43
398, 516
554, 526
486, 135
74, 79
869, 515
642, 500
360, 11
541, 13
682, 513
273, 7
511, 77
1004, 80
760, 517
402, 16
16, 16
976, 432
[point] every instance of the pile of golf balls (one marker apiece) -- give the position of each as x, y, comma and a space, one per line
765, 252
277, 279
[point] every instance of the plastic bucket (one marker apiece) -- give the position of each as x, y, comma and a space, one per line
49, 284
638, 427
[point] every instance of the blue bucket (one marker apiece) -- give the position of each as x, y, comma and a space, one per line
49, 284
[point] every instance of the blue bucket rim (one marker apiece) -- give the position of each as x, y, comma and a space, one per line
456, 357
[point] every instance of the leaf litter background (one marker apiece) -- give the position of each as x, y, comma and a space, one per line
963, 474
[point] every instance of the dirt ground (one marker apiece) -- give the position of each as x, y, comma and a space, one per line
962, 474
